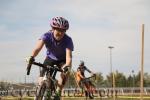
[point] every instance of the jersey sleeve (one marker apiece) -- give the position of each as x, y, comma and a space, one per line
46, 38
87, 69
70, 44
43, 37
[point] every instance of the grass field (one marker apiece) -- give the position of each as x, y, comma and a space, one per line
79, 98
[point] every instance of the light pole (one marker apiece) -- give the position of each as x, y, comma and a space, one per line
133, 78
111, 71
132, 83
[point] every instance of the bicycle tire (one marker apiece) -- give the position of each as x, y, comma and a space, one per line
56, 98
40, 92
49, 90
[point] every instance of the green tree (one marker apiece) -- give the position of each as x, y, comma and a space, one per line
129, 81
99, 81
146, 80
135, 80
108, 80
120, 79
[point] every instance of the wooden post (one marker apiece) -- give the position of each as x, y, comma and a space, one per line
142, 65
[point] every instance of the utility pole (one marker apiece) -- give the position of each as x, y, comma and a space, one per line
142, 64
112, 73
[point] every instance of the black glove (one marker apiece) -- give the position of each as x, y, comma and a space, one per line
94, 75
66, 69
30, 61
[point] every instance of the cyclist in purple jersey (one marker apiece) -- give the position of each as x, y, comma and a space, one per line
59, 48
56, 50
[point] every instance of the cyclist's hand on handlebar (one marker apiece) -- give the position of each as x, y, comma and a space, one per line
30, 60
66, 69
94, 75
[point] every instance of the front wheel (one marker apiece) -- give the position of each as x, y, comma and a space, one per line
40, 92
56, 97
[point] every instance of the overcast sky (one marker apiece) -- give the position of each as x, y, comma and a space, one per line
94, 25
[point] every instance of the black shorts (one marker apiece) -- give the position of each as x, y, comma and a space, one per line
50, 62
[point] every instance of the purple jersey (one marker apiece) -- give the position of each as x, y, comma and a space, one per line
56, 50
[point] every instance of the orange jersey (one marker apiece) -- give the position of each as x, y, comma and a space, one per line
78, 76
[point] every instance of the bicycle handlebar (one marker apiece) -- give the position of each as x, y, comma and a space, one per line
43, 66
90, 77
29, 68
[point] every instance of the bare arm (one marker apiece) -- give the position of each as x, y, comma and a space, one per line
38, 48
68, 57
80, 75
89, 71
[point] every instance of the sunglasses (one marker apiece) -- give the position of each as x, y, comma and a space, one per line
60, 30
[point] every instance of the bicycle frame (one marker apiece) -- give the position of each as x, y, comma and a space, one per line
86, 84
49, 83
87, 78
